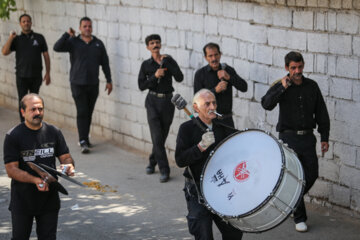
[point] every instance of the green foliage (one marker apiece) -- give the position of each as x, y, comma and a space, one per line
5, 7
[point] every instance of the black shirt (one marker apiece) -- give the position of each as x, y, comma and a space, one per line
40, 146
85, 59
28, 48
206, 77
147, 79
301, 107
187, 152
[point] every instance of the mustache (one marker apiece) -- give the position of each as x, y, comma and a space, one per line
37, 117
156, 48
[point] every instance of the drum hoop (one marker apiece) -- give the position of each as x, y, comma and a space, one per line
266, 200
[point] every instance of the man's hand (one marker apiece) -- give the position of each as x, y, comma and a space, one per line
324, 147
69, 169
47, 79
160, 72
286, 82
12, 34
109, 88
223, 75
41, 185
207, 140
221, 86
71, 32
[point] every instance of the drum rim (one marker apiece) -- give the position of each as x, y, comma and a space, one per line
266, 200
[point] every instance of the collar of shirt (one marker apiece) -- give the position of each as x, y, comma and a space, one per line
29, 35
92, 38
209, 69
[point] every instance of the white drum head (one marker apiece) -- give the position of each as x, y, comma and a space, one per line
242, 173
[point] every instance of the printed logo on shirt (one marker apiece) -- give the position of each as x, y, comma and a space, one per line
30, 155
98, 45
241, 173
35, 43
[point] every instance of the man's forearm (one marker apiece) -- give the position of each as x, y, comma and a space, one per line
14, 172
47, 62
6, 48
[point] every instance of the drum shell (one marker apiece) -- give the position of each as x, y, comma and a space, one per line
278, 205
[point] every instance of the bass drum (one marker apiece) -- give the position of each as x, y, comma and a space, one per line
252, 181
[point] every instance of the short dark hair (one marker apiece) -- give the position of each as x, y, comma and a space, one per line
24, 15
293, 57
152, 37
29, 96
84, 19
211, 45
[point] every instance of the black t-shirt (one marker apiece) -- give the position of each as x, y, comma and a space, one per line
40, 146
28, 49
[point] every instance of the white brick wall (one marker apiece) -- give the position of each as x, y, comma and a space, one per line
254, 39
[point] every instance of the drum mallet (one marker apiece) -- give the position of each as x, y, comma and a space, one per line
180, 104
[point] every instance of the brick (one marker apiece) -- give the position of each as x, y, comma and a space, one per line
331, 68
318, 42
263, 54
259, 91
303, 20
331, 22
320, 189
296, 40
230, 9
278, 57
242, 68
136, 3
312, 3
356, 90
200, 6
343, 25
214, 7
172, 38
277, 37
341, 88
346, 154
355, 200
340, 44
256, 34
340, 131
336, 4
309, 62
263, 14
354, 134
183, 58
347, 4
245, 11
322, 81
329, 170
323, 3
211, 25
340, 195
229, 46
300, 3
347, 67
226, 27
256, 113
347, 111
319, 21
320, 63
259, 73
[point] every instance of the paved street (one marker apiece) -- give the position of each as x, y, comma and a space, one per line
137, 206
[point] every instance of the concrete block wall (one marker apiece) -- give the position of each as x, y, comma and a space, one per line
254, 37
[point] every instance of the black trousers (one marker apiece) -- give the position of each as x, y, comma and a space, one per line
305, 148
46, 226
85, 98
25, 86
160, 114
200, 219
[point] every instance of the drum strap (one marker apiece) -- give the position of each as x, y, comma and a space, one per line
200, 198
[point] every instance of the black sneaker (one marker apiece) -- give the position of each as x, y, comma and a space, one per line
84, 146
164, 177
150, 169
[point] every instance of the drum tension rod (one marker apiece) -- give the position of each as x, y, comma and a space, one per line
293, 175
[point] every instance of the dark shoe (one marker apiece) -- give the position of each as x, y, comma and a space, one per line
84, 147
89, 144
150, 169
164, 177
